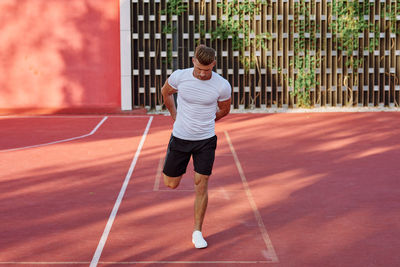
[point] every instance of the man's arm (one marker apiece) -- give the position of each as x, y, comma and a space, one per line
168, 94
223, 109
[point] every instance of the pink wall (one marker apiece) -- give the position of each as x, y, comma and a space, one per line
59, 54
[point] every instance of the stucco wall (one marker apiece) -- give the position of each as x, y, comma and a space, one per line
59, 54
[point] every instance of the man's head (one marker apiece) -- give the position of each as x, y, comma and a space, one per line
204, 62
204, 54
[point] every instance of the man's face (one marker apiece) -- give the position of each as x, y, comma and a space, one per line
202, 72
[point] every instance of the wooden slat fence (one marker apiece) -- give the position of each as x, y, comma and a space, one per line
291, 31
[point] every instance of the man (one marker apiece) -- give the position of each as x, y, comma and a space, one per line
203, 98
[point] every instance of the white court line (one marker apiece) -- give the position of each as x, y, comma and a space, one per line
185, 262
158, 175
263, 230
59, 141
114, 211
134, 262
43, 262
71, 116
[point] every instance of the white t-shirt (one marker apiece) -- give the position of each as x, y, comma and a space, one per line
197, 103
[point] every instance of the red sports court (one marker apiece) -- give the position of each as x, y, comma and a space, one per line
309, 189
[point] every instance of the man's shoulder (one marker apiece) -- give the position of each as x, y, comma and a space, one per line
178, 75
220, 79
219, 76
181, 71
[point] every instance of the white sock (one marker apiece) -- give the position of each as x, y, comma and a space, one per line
198, 240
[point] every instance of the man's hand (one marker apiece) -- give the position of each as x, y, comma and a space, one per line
168, 94
223, 109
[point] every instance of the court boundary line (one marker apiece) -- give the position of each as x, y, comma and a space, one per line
261, 225
59, 141
121, 194
72, 116
43, 262
136, 262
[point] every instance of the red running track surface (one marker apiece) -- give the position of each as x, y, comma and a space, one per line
313, 189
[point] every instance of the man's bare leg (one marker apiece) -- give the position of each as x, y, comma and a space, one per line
201, 200
172, 182
200, 207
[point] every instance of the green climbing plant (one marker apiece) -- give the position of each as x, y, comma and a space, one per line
391, 12
305, 59
305, 79
349, 20
346, 26
175, 7
235, 25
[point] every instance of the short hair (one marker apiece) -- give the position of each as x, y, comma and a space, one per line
204, 54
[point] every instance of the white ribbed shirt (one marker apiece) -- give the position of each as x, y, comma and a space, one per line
197, 103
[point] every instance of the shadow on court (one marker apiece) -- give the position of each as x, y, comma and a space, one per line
325, 185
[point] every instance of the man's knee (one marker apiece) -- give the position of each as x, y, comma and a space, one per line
201, 179
172, 182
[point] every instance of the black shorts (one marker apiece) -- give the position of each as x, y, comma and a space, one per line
179, 152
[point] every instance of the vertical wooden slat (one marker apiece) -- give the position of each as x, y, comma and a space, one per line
290, 52
358, 76
312, 43
141, 56
384, 57
158, 72
153, 95
335, 57
322, 53
366, 62
388, 74
318, 48
269, 58
134, 54
263, 61
285, 56
275, 96
394, 102
280, 66
379, 61
397, 57
328, 57
372, 67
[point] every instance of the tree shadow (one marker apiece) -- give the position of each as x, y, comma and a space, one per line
67, 58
